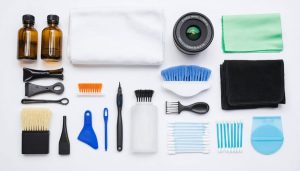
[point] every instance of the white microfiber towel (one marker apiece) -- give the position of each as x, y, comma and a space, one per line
116, 36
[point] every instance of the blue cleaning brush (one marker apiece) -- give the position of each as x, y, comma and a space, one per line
186, 80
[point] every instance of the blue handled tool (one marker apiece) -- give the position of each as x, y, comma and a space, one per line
87, 134
105, 117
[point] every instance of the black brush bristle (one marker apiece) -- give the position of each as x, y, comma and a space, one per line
35, 142
144, 95
172, 107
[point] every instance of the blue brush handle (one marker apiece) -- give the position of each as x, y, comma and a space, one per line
105, 117
87, 118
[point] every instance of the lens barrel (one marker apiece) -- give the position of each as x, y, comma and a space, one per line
193, 33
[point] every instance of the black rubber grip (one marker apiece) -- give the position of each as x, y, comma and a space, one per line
119, 131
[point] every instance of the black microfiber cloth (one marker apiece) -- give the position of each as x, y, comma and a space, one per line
252, 84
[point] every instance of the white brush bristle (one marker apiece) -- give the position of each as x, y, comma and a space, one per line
35, 119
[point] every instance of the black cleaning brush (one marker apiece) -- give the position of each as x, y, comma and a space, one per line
177, 108
144, 95
35, 130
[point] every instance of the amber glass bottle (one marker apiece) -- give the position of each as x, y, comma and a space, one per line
52, 40
27, 40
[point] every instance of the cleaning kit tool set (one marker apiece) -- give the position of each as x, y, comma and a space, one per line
137, 39
87, 134
119, 120
186, 80
267, 134
64, 142
90, 89
32, 74
177, 108
252, 84
33, 89
252, 33
144, 119
230, 136
193, 33
188, 137
35, 130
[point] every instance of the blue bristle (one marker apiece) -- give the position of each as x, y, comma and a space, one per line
186, 73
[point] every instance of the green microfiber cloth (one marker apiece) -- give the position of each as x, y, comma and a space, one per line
252, 33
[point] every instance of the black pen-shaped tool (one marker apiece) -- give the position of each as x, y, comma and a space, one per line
119, 121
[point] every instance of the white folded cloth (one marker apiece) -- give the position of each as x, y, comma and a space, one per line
116, 36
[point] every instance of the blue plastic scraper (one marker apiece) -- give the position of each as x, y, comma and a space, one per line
87, 134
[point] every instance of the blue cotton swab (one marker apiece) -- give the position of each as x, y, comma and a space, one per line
229, 136
218, 138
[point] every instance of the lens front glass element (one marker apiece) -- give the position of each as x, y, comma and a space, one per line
193, 33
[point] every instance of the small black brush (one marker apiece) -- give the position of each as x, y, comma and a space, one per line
144, 95
64, 143
177, 108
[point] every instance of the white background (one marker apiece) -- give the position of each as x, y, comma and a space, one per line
84, 158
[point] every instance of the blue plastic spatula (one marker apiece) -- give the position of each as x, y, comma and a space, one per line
87, 134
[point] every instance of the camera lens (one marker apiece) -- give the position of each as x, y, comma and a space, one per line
192, 33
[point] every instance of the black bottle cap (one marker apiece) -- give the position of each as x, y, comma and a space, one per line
28, 19
53, 19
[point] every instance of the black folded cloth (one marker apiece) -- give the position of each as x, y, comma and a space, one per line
252, 84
